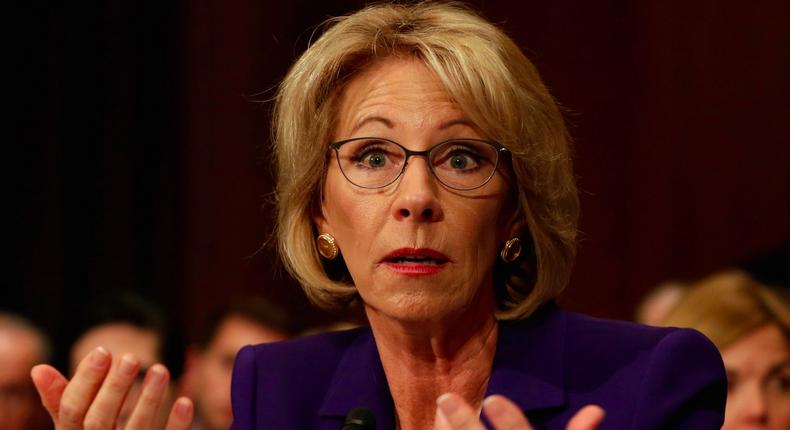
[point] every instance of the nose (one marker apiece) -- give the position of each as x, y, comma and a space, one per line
416, 199
754, 408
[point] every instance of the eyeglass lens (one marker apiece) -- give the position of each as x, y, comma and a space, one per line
459, 164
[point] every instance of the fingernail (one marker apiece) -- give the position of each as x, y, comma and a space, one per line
128, 364
99, 357
448, 404
156, 376
492, 407
183, 407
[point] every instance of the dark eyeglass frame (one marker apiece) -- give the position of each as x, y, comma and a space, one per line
499, 149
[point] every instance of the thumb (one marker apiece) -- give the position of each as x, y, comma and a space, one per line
588, 418
50, 385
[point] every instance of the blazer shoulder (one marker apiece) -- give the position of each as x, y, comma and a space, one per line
326, 344
621, 332
676, 376
604, 337
684, 386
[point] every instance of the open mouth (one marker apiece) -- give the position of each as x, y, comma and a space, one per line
416, 256
416, 261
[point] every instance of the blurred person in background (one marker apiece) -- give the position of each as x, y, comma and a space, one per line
659, 302
22, 346
137, 334
750, 324
210, 361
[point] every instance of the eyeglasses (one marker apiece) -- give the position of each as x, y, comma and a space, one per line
460, 164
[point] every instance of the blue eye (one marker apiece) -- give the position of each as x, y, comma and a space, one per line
460, 158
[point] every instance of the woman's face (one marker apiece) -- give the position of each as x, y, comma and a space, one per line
758, 372
416, 249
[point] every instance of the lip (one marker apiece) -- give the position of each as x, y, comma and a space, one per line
415, 268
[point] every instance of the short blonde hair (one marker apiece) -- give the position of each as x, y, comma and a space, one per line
728, 306
497, 88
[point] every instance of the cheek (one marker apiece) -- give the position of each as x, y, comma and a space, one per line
355, 219
741, 406
478, 228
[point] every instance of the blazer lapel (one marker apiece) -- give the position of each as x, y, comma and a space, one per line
528, 368
359, 381
529, 360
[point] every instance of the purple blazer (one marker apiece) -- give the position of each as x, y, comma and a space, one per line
551, 364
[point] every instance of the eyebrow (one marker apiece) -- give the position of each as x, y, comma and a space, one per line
389, 124
459, 121
777, 368
380, 119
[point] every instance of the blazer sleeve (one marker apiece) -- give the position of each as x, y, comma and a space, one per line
684, 386
243, 389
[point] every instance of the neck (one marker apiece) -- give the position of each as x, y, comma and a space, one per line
424, 359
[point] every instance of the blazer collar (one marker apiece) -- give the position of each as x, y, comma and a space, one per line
528, 369
530, 358
359, 381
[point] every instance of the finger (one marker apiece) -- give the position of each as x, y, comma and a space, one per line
80, 392
103, 413
50, 385
588, 418
145, 411
504, 414
457, 413
439, 422
181, 415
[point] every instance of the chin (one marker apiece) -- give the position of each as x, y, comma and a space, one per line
418, 307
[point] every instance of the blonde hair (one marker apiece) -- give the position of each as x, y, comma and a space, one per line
727, 306
497, 88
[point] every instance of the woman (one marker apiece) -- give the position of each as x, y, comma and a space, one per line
421, 156
425, 177
751, 327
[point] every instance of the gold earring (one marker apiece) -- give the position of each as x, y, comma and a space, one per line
511, 250
326, 246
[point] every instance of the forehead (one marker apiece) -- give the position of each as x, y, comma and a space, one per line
236, 332
396, 92
19, 351
762, 348
118, 338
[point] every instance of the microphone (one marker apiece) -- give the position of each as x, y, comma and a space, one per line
360, 419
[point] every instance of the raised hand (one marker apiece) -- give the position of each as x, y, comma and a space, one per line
94, 396
453, 413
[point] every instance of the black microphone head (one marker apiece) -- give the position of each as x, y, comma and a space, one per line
360, 419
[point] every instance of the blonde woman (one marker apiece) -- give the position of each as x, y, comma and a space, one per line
751, 327
424, 174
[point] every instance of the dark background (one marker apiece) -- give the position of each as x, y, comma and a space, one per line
138, 156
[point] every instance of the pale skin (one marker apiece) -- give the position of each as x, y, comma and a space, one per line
20, 349
92, 399
120, 337
436, 334
95, 397
211, 370
758, 372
